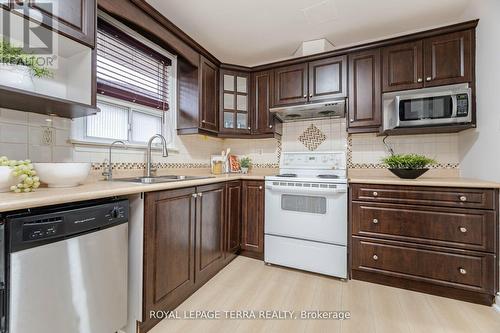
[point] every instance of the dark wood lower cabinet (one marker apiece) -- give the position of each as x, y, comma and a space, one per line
423, 242
232, 228
252, 237
169, 238
209, 231
190, 234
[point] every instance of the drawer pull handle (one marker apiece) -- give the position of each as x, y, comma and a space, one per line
375, 257
375, 221
375, 194
463, 198
463, 229
194, 195
462, 271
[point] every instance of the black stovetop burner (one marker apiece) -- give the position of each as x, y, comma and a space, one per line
287, 175
328, 176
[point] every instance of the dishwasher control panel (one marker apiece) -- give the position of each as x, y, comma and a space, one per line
45, 225
45, 228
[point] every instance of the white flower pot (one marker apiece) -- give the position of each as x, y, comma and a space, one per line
244, 170
16, 76
6, 179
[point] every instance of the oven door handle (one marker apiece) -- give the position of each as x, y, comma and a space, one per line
306, 190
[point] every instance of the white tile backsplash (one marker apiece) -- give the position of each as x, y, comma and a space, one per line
370, 149
22, 136
13, 133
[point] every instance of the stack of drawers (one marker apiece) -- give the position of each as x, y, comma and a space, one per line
442, 241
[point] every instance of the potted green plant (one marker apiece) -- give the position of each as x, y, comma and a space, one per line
18, 68
245, 164
408, 166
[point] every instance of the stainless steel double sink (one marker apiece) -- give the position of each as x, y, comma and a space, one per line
160, 179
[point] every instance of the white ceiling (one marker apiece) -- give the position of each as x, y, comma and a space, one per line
252, 32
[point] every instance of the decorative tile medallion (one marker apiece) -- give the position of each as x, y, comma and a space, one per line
312, 137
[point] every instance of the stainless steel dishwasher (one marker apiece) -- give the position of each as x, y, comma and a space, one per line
67, 268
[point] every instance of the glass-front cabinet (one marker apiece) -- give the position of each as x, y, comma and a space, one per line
235, 106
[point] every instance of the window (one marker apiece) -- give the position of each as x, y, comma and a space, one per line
123, 121
135, 85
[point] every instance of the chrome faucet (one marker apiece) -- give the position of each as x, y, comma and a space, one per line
148, 153
108, 174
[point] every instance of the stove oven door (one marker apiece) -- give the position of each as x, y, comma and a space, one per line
309, 211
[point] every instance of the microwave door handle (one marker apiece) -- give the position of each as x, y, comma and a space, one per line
397, 100
453, 106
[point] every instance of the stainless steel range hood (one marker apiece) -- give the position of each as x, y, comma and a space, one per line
331, 109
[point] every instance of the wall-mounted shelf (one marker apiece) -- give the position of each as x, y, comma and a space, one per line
16, 99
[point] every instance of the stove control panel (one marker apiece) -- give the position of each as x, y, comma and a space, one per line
316, 160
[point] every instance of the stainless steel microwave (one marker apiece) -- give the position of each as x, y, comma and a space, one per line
435, 106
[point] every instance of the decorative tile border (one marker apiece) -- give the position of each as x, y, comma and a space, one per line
142, 165
381, 166
279, 149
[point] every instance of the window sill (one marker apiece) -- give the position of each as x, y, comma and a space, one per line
133, 146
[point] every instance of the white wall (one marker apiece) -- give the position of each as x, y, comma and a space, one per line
480, 148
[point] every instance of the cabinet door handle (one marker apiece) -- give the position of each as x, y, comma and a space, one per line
311, 95
305, 96
351, 120
203, 121
375, 257
375, 194
270, 126
428, 79
249, 128
463, 198
260, 187
375, 221
462, 270
419, 80
194, 195
463, 230
200, 194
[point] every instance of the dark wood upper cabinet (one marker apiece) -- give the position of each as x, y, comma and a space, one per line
232, 238
434, 61
262, 94
75, 19
169, 236
290, 85
252, 237
365, 91
209, 103
209, 231
234, 102
327, 79
448, 58
402, 66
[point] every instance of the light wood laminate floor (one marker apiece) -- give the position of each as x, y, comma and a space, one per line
248, 284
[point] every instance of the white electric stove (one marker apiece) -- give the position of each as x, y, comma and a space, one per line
306, 213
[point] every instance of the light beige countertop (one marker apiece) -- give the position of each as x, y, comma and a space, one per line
433, 177
97, 189
426, 181
101, 189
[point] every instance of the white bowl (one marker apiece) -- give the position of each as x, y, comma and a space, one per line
62, 174
6, 179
